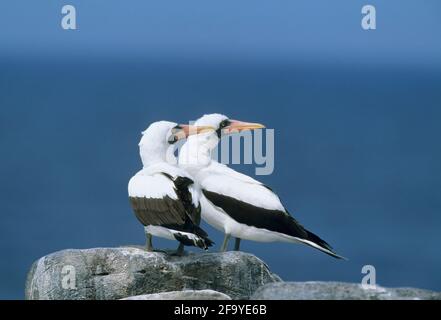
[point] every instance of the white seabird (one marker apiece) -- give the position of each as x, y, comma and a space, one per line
165, 198
237, 204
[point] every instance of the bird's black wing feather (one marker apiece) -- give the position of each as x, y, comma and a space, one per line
246, 213
182, 185
158, 212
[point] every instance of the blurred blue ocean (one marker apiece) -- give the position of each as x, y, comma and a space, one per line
356, 117
358, 158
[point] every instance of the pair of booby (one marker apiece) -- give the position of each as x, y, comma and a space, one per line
231, 202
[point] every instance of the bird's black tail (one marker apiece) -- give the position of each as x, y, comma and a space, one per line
316, 242
197, 238
206, 241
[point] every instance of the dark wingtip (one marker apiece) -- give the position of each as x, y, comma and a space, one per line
326, 247
336, 256
317, 240
203, 243
207, 242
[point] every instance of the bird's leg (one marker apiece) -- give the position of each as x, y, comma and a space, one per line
149, 244
237, 245
180, 251
225, 244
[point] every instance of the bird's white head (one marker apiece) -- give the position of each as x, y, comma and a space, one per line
159, 140
224, 125
157, 143
214, 120
196, 152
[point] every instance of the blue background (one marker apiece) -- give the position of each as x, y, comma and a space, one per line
356, 113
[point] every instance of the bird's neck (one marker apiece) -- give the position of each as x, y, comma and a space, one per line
157, 154
194, 156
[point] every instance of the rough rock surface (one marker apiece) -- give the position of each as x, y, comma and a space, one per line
117, 273
338, 291
183, 295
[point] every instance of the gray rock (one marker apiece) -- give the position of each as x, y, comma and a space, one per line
116, 273
183, 295
338, 291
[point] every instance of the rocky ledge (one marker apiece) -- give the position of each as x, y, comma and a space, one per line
117, 273
131, 273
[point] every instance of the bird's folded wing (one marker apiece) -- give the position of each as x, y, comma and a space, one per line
255, 216
249, 202
228, 182
158, 200
158, 212
155, 201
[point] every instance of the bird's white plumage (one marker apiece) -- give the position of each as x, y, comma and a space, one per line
220, 179
156, 186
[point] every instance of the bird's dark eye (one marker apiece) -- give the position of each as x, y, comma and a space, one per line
224, 124
173, 139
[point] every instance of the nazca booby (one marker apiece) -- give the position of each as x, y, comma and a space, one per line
237, 204
165, 198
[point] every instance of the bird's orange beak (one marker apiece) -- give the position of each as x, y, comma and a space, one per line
189, 130
239, 126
